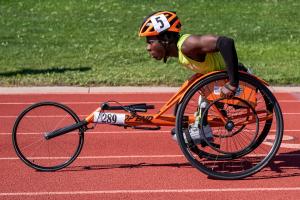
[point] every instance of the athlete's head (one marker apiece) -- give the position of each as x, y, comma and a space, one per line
160, 29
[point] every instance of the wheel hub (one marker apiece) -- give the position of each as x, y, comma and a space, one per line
229, 125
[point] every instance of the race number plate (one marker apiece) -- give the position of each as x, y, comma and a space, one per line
160, 22
109, 118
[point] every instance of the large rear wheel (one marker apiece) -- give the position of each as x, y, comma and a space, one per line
238, 149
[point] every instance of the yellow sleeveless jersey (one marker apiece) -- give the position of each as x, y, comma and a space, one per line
213, 61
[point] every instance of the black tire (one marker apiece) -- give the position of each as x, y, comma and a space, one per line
32, 147
253, 157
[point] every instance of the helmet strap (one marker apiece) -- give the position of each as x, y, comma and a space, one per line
165, 44
166, 41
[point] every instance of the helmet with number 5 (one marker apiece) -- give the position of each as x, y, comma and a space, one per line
160, 22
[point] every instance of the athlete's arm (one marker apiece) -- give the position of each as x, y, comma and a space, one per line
195, 46
227, 49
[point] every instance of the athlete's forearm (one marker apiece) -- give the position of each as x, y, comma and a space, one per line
227, 49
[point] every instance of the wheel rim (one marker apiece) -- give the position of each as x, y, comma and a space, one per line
29, 141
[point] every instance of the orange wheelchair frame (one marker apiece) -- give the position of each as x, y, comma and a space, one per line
160, 119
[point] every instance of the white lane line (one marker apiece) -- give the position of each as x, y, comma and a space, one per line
204, 190
80, 102
270, 141
285, 145
98, 157
44, 116
123, 102
133, 156
100, 132
85, 115
125, 132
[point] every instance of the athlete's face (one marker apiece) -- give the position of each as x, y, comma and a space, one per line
155, 48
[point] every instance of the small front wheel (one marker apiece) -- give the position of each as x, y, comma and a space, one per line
29, 141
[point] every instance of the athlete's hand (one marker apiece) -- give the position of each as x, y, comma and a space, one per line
228, 90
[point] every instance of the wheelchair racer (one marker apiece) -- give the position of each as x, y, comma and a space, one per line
200, 53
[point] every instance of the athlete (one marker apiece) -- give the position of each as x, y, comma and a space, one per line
200, 53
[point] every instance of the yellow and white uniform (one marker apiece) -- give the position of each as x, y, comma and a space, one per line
213, 61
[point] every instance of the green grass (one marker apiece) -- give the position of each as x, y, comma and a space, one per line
93, 43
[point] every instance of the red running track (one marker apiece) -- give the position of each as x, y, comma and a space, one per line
116, 163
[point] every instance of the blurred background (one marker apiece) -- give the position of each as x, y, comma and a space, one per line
96, 43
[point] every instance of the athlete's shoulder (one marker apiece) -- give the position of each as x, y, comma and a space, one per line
187, 42
198, 44
191, 44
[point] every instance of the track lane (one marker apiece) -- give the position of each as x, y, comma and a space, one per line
149, 175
